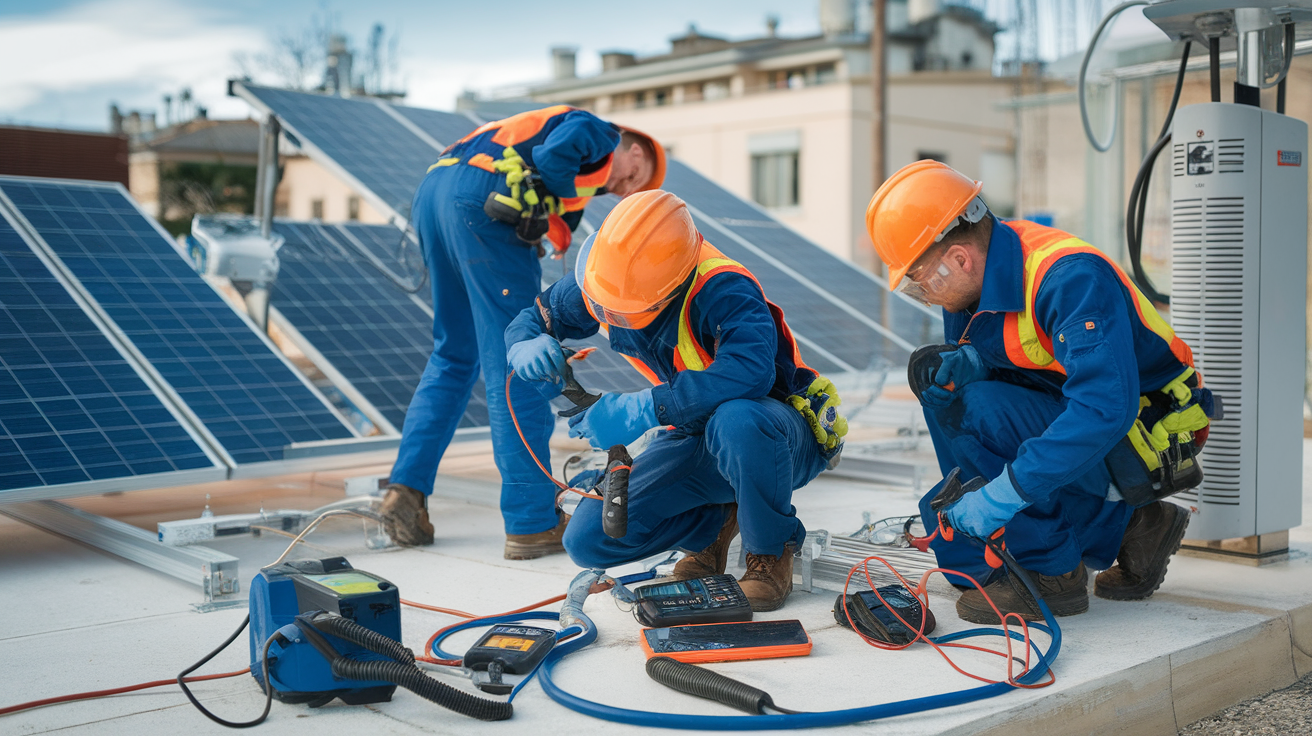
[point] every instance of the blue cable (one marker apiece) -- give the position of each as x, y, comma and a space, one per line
790, 721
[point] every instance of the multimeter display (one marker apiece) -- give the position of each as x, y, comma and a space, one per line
708, 600
726, 642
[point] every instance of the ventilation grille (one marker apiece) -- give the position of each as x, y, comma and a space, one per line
1177, 159
1207, 290
1230, 156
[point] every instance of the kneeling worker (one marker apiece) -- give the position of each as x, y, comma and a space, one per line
740, 403
1060, 385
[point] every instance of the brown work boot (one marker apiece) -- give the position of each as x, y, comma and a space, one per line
713, 559
1066, 595
768, 580
533, 546
1153, 535
405, 516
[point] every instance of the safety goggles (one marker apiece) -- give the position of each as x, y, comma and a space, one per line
929, 280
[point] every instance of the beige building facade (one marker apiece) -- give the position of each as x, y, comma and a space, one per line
786, 123
308, 191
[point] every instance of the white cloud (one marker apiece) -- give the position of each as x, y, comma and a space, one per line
165, 44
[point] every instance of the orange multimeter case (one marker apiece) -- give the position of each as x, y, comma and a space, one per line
703, 643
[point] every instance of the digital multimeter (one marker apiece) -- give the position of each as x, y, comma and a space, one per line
710, 600
874, 619
507, 649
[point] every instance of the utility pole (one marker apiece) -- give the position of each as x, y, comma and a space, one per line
878, 124
878, 92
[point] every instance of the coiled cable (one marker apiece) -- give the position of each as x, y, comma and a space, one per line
418, 682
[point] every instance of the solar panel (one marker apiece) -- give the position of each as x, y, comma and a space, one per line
72, 408
362, 139
248, 397
844, 318
372, 332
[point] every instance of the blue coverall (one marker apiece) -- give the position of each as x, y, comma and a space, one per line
482, 275
1050, 435
734, 439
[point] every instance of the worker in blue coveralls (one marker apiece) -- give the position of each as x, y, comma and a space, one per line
481, 213
747, 422
1060, 387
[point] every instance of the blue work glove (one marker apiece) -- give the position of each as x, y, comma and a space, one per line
982, 512
960, 367
616, 419
539, 359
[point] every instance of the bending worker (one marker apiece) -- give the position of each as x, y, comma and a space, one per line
480, 215
1060, 385
747, 421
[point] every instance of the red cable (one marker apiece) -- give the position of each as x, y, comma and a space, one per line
115, 691
922, 594
563, 488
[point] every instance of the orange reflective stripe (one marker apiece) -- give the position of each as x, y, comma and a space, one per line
644, 369
1026, 344
573, 204
482, 161
596, 179
519, 128
689, 353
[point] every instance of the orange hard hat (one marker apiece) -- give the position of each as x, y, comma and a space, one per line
912, 209
658, 167
634, 265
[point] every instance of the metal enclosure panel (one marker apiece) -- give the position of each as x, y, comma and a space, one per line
1215, 282
1282, 324
1239, 234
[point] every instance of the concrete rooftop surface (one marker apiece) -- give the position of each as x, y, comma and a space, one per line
1215, 633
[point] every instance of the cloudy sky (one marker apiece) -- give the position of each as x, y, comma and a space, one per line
65, 61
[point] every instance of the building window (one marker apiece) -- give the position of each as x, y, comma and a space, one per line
932, 156
316, 209
774, 179
661, 97
352, 208
717, 90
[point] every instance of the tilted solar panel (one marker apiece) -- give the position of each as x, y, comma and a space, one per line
73, 411
376, 335
248, 397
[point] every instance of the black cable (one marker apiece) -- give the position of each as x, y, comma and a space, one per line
403, 672
1214, 66
694, 680
1137, 206
268, 688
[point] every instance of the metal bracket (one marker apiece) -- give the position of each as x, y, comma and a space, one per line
214, 571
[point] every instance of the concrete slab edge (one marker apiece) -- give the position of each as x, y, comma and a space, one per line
1164, 694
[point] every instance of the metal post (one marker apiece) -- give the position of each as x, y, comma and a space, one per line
267, 182
878, 124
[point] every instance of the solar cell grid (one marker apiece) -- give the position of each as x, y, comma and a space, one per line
378, 150
71, 407
217, 364
445, 127
369, 329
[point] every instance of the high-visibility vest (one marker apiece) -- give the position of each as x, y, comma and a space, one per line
689, 354
1026, 343
516, 129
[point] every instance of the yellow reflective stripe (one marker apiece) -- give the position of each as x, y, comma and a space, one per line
1029, 334
687, 346
445, 162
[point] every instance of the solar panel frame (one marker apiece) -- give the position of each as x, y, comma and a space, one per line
138, 341
98, 402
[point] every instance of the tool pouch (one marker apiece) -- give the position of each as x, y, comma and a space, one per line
1159, 455
924, 363
528, 207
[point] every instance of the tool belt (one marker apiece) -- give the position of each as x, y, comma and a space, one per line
818, 405
1159, 455
529, 206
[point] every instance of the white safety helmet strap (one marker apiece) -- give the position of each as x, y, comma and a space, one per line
974, 212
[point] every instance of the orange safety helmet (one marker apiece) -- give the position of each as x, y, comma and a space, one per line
634, 265
658, 168
912, 210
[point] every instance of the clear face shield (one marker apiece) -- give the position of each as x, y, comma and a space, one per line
927, 282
